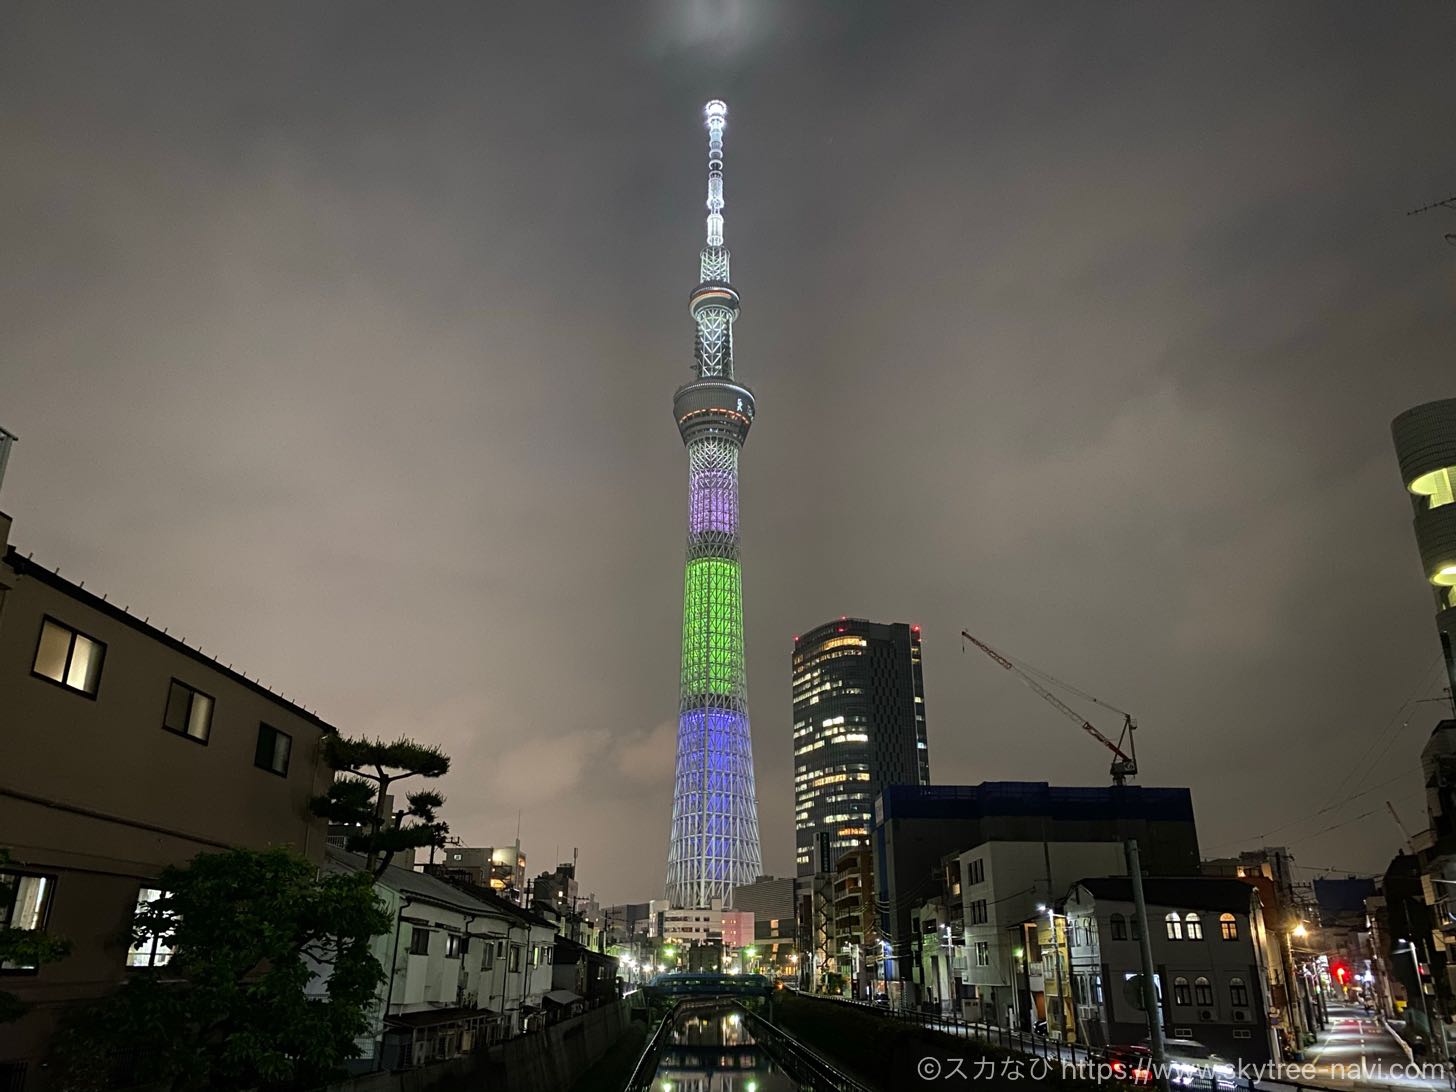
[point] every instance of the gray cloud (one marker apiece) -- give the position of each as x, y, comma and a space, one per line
342, 341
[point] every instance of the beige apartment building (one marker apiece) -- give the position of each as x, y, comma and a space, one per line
122, 751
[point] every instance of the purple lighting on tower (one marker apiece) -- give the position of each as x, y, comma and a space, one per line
713, 501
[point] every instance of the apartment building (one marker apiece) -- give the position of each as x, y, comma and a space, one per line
122, 751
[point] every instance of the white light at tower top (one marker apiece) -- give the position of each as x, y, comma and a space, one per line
715, 115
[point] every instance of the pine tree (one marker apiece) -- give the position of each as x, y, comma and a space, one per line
359, 798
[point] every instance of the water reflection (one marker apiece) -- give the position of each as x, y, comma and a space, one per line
712, 1050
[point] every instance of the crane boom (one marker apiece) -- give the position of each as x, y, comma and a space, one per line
1410, 843
1123, 764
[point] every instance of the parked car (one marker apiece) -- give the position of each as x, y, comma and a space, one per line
1132, 1063
883, 1000
1193, 1065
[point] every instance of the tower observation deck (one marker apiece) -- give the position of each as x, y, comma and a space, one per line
714, 843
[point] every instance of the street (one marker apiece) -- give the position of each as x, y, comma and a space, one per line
1359, 1043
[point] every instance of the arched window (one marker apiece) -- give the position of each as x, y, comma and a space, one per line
1202, 991
1193, 926
1238, 993
1228, 927
1180, 992
1117, 925
1134, 929
1174, 925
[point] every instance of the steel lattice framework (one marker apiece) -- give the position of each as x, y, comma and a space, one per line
714, 845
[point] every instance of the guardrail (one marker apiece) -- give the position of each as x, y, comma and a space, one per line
646, 1068
810, 1069
1037, 1046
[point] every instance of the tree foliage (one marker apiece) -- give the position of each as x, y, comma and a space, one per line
359, 798
24, 948
233, 1009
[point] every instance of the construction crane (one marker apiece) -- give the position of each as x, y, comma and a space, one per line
1124, 763
1410, 843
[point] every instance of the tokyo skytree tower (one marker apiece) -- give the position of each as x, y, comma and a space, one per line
714, 845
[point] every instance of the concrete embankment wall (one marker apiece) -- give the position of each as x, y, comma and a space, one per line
548, 1061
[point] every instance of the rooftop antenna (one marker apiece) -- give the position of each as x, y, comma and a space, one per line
7, 440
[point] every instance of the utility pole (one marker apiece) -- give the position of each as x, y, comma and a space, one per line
1145, 949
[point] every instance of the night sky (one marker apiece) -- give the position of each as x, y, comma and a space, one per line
341, 340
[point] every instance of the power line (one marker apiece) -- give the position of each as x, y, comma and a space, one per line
1304, 818
1347, 822
1361, 763
1448, 203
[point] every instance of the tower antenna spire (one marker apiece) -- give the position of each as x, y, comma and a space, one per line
715, 116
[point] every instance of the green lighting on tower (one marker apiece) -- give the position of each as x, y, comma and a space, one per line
712, 660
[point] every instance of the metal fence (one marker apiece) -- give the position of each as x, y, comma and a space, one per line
1054, 1051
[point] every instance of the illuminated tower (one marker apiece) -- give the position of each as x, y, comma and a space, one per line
1425, 444
714, 845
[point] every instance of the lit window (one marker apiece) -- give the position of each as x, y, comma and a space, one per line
189, 712
1202, 991
1193, 927
419, 941
1180, 992
150, 941
68, 657
272, 750
1228, 927
1175, 927
24, 901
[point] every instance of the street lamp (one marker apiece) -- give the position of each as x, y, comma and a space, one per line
1439, 1036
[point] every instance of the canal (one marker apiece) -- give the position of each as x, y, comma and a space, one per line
713, 1050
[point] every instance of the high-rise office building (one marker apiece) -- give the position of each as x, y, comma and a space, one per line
859, 726
1425, 445
714, 842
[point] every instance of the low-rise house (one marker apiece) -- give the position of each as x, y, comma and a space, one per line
463, 969
1208, 945
590, 976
